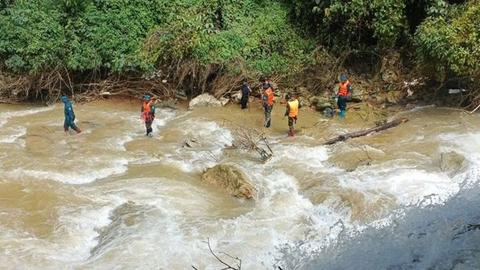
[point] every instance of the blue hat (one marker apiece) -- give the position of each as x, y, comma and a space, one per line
146, 97
64, 98
343, 77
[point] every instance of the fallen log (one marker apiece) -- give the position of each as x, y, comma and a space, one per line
344, 137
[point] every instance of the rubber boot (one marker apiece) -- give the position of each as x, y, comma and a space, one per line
342, 114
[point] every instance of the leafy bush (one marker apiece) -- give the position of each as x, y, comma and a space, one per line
76, 34
108, 35
122, 36
224, 32
451, 44
32, 37
353, 24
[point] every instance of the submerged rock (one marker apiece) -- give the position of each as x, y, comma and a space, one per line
451, 162
206, 100
350, 159
231, 179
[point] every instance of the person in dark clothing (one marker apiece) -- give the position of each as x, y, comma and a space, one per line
148, 113
245, 94
69, 116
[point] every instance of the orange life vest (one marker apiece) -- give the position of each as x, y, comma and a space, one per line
147, 108
343, 89
269, 94
293, 108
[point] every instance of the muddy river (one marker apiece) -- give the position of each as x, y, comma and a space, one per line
111, 198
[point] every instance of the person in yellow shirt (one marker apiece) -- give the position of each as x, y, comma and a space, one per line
293, 107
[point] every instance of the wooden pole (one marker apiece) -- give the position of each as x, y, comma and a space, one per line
365, 132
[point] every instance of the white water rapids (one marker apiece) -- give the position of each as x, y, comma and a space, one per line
111, 198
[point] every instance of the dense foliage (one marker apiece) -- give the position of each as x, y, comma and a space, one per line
262, 36
344, 24
444, 34
120, 36
450, 44
226, 31
40, 35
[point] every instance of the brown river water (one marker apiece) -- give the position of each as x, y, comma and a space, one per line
111, 198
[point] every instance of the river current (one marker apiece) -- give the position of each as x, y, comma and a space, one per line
111, 198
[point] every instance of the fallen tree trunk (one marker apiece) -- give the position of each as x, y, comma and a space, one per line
344, 137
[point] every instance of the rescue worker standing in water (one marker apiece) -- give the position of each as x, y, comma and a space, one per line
344, 93
69, 116
267, 102
148, 113
245, 94
292, 112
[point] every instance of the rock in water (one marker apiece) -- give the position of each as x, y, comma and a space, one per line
451, 162
231, 179
205, 100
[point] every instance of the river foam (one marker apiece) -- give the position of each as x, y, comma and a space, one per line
150, 211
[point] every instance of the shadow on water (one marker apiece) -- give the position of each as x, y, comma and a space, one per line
435, 237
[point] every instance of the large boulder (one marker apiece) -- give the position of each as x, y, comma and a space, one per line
236, 96
230, 179
224, 101
205, 100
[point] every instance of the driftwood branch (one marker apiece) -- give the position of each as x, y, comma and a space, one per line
344, 137
252, 139
227, 266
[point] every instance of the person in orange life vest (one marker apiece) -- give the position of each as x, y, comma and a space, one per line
267, 102
344, 94
69, 116
148, 113
292, 112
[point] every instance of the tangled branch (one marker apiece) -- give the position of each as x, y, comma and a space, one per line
227, 266
252, 139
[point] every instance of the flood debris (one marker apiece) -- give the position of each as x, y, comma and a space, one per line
226, 265
252, 139
344, 137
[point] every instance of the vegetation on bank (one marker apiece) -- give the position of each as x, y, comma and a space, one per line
207, 45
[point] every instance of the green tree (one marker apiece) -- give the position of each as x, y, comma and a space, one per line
32, 37
450, 44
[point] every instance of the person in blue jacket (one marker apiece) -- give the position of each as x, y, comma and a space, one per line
69, 115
